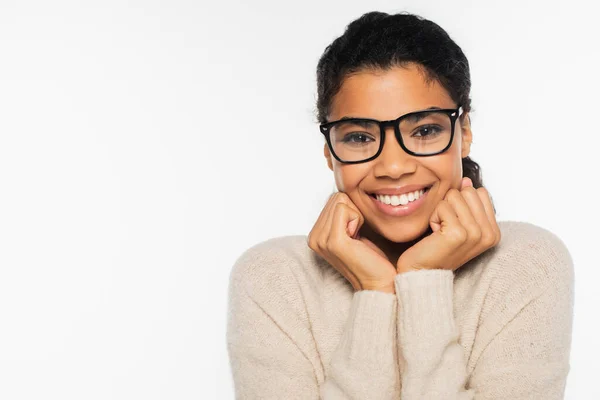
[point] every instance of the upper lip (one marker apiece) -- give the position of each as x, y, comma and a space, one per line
398, 190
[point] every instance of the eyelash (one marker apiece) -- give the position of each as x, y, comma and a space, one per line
433, 128
347, 138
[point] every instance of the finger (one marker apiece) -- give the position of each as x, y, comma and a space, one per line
320, 231
342, 215
448, 230
325, 211
487, 203
335, 199
338, 236
443, 216
354, 223
489, 211
319, 235
351, 229
475, 204
463, 211
491, 234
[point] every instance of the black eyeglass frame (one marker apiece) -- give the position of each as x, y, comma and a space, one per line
454, 114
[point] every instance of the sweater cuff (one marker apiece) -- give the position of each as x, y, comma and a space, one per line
425, 304
370, 334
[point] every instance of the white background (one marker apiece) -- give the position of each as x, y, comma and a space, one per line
144, 145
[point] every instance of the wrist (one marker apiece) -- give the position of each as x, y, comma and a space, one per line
403, 270
389, 288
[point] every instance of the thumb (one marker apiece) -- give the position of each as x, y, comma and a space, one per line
351, 227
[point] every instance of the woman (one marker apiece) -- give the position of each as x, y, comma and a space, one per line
406, 287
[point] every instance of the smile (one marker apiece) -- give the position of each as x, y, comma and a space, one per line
398, 206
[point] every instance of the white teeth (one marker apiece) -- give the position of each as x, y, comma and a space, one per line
403, 199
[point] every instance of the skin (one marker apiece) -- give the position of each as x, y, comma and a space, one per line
386, 96
454, 224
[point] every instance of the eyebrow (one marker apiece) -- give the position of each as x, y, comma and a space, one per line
425, 109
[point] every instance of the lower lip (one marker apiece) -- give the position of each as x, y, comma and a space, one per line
400, 211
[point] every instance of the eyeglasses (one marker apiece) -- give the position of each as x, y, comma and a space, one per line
420, 133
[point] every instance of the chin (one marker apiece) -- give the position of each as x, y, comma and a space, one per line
402, 233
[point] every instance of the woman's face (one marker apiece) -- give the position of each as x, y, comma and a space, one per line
386, 95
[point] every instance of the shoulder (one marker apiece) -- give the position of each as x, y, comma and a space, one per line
281, 276
519, 231
282, 262
523, 242
530, 257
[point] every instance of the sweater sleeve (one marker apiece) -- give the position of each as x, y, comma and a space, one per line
272, 351
527, 358
267, 360
431, 360
365, 363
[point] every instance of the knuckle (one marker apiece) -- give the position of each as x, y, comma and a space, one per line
475, 233
458, 234
311, 239
339, 208
321, 244
342, 197
333, 198
341, 205
452, 194
498, 237
469, 191
488, 239
310, 242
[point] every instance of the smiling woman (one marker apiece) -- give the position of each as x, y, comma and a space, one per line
407, 286
424, 149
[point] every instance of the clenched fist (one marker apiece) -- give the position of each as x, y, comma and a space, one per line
335, 238
464, 225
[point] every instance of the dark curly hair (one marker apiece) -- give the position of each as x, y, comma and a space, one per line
378, 40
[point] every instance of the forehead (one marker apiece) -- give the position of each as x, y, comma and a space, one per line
385, 95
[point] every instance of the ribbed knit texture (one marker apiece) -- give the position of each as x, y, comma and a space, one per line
499, 327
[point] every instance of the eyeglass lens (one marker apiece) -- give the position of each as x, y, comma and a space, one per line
423, 133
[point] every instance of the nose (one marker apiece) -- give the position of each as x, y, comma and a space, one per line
393, 161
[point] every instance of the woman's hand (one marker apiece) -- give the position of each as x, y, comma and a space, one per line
335, 238
463, 225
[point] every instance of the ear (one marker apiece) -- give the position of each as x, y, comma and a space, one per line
466, 135
327, 155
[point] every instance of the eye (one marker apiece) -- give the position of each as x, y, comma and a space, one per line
356, 137
427, 131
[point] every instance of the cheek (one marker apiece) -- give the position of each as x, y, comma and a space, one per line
447, 167
453, 168
348, 177
339, 180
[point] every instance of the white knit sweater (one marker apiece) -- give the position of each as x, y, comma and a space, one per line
499, 327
